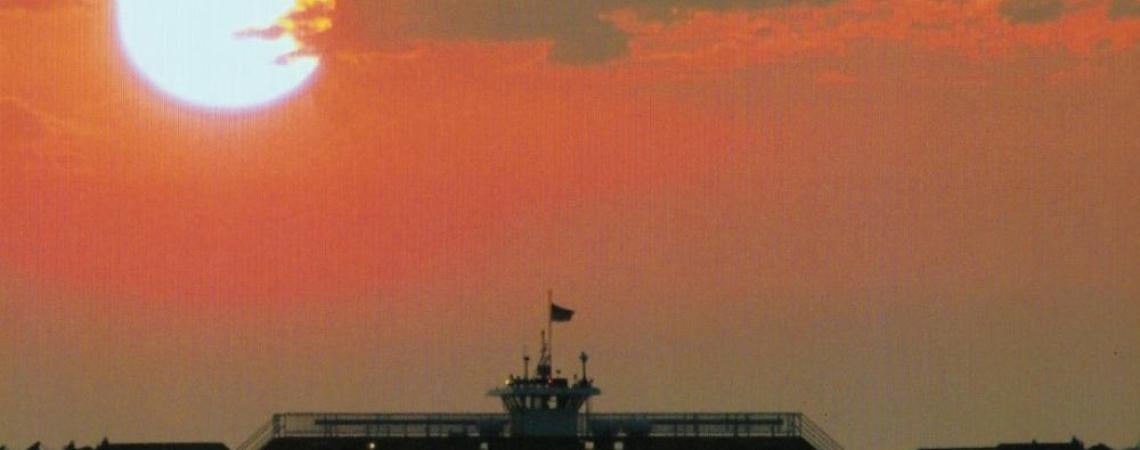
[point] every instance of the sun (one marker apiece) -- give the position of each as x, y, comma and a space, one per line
222, 54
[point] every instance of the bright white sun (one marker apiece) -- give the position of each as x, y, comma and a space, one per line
207, 52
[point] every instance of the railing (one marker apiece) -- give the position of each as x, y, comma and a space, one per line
694, 424
262, 436
591, 426
386, 425
816, 436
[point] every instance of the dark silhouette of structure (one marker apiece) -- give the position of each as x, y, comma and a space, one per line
1074, 444
543, 411
106, 445
165, 446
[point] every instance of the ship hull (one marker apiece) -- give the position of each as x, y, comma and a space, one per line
522, 443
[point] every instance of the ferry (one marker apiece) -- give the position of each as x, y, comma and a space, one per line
541, 411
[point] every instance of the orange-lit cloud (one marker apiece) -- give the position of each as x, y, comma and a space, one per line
1124, 8
308, 20
577, 32
1031, 11
972, 29
718, 35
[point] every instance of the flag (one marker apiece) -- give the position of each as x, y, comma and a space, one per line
560, 314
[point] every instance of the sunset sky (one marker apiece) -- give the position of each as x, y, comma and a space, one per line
916, 221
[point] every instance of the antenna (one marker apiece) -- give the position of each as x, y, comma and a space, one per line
526, 364
544, 355
543, 371
585, 382
584, 357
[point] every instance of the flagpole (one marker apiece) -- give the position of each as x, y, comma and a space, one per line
550, 325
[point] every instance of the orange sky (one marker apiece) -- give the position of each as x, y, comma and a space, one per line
918, 221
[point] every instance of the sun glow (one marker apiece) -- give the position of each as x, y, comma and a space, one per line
218, 53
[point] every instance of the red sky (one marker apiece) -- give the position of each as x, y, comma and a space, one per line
917, 222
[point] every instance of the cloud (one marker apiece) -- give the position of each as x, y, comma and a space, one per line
1031, 11
688, 36
1124, 8
577, 30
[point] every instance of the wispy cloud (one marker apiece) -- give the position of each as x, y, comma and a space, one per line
1032, 11
738, 32
1124, 8
578, 31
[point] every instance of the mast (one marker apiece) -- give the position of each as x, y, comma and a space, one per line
585, 382
550, 325
543, 368
526, 364
547, 404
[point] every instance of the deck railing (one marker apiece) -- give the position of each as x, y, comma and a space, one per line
815, 435
591, 426
693, 424
261, 436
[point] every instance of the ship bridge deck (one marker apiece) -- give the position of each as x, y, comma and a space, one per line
608, 427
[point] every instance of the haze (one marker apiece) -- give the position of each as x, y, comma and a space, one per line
916, 222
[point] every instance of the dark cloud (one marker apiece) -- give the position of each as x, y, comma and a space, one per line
1032, 11
1124, 8
578, 33
576, 28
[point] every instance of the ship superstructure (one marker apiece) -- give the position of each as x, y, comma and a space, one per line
543, 411
546, 405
